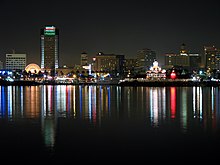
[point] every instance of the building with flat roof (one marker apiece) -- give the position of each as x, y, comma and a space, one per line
15, 61
49, 45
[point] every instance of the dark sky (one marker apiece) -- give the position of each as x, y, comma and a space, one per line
119, 27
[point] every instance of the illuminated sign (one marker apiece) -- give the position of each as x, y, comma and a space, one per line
50, 31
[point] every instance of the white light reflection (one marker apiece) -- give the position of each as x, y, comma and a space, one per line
74, 102
10, 102
118, 98
43, 101
48, 120
61, 100
154, 107
164, 102
22, 100
197, 102
109, 101
90, 103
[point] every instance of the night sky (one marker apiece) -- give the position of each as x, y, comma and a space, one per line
119, 27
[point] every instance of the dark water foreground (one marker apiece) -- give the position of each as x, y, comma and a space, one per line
96, 124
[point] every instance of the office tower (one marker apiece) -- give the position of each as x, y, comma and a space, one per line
84, 59
109, 63
15, 61
212, 57
145, 58
49, 48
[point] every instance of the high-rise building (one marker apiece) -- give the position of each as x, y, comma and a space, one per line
109, 63
15, 61
84, 59
145, 58
49, 48
212, 57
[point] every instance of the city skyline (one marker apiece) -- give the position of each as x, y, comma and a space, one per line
109, 27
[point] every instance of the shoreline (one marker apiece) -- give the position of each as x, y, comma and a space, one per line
125, 83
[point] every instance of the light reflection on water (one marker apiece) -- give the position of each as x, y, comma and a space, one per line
184, 107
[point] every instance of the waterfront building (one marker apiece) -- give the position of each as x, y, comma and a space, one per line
84, 59
49, 48
170, 60
145, 58
195, 61
109, 63
212, 57
155, 72
15, 61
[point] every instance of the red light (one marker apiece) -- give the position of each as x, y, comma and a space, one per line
173, 75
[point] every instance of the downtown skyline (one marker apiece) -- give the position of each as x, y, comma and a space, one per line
110, 27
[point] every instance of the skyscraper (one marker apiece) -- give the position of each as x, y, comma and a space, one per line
49, 48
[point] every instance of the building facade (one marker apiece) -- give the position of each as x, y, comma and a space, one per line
84, 59
15, 61
145, 58
49, 44
212, 57
109, 63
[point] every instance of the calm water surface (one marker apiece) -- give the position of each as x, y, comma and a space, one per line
87, 123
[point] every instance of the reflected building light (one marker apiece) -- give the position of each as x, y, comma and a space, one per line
194, 102
164, 102
217, 115
49, 132
118, 98
173, 102
15, 99
90, 103
9, 102
68, 98
109, 101
74, 102
49, 99
151, 105
128, 101
80, 101
100, 105
61, 100
43, 101
154, 107
94, 104
200, 103
213, 101
58, 93
22, 100
32, 100
85, 110
183, 117
214, 111
3, 102
197, 102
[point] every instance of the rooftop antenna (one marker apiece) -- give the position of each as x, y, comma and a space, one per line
13, 51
